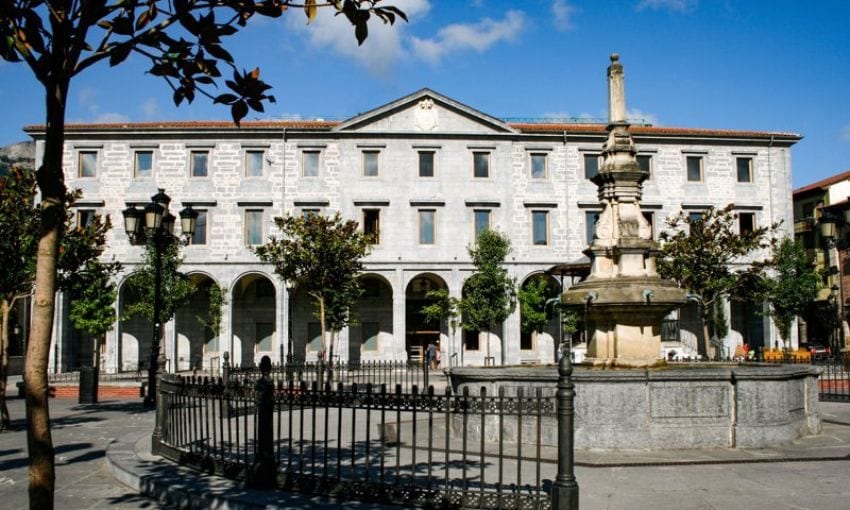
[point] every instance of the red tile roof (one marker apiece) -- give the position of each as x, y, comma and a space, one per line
824, 183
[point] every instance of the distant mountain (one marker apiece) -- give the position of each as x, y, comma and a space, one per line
22, 153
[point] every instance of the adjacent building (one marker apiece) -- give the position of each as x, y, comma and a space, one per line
422, 174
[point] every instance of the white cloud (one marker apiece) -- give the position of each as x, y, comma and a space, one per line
562, 14
667, 5
845, 133
110, 118
633, 114
150, 109
477, 37
382, 48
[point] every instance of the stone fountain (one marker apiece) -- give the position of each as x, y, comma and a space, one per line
624, 298
626, 398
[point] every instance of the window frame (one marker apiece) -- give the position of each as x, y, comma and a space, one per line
136, 174
588, 227
487, 159
365, 154
245, 228
192, 162
84, 213
311, 152
538, 155
202, 213
81, 167
262, 156
545, 214
701, 160
590, 156
419, 160
375, 238
419, 216
651, 221
748, 214
649, 164
749, 160
475, 230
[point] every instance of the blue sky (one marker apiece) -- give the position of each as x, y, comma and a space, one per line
756, 65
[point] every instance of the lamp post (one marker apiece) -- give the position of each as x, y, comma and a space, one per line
155, 224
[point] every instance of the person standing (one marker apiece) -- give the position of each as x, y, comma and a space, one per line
430, 354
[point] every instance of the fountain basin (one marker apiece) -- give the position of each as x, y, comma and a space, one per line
675, 407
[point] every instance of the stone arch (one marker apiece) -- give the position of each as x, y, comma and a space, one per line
196, 342
371, 336
419, 331
540, 345
134, 333
253, 298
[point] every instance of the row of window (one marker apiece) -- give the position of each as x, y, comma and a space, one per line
310, 164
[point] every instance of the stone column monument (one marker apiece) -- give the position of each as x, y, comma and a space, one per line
623, 299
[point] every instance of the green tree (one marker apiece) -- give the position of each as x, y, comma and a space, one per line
441, 308
489, 294
532, 303
792, 285
323, 256
93, 295
707, 256
182, 40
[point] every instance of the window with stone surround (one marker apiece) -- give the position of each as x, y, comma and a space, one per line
253, 227
199, 237
591, 165
254, 163
590, 219
426, 163
370, 163
199, 162
306, 213
143, 163
540, 228
87, 164
746, 222
427, 226
694, 166
644, 161
649, 216
481, 165
481, 221
372, 225
745, 169
538, 165
85, 217
310, 163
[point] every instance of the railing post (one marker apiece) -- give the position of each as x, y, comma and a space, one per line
264, 471
161, 417
565, 488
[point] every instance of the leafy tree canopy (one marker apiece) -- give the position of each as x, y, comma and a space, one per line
176, 287
489, 294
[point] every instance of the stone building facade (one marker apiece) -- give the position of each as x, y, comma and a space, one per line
422, 174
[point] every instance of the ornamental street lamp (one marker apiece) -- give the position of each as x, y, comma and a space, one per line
155, 224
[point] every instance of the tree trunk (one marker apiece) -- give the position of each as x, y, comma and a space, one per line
5, 307
52, 187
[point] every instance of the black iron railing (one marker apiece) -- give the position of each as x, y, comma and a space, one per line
372, 443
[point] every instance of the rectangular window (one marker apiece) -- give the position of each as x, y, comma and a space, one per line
591, 166
372, 225
538, 166
745, 169
310, 163
143, 163
694, 217
254, 227
481, 164
526, 341
314, 336
590, 219
540, 227
370, 163
645, 163
470, 340
746, 222
426, 163
426, 226
85, 217
200, 234
694, 164
309, 212
369, 336
649, 216
88, 164
200, 159
254, 163
265, 333
482, 221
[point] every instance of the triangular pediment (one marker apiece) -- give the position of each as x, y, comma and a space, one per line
425, 111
